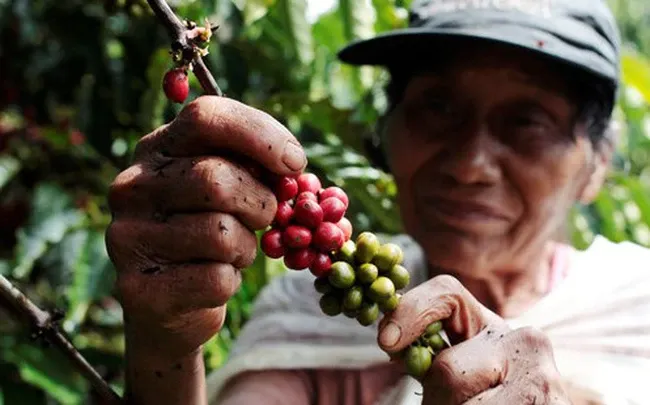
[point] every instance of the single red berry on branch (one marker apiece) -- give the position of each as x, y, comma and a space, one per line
176, 85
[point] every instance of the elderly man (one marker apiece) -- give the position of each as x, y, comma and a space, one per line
497, 126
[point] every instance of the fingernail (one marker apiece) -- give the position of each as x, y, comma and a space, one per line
294, 157
390, 335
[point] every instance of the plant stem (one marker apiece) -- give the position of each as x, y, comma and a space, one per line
177, 31
45, 326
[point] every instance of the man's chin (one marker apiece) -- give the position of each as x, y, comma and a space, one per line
454, 251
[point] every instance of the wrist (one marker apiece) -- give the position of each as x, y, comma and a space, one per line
155, 377
150, 353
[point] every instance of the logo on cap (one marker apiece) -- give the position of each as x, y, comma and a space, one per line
428, 8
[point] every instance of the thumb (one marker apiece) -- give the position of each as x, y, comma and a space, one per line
442, 298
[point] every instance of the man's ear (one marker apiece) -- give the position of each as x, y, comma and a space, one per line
602, 159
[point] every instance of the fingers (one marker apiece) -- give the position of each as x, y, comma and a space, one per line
525, 393
178, 288
441, 298
465, 370
187, 238
185, 185
209, 124
530, 374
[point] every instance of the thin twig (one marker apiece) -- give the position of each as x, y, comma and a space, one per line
46, 327
177, 30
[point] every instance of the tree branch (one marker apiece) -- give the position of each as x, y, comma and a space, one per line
178, 32
46, 327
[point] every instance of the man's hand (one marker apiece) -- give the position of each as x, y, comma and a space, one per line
184, 216
488, 364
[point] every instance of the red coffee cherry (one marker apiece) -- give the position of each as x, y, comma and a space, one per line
272, 245
328, 237
176, 85
309, 182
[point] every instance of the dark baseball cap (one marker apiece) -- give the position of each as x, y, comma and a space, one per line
581, 33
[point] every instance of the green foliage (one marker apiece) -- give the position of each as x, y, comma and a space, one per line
81, 84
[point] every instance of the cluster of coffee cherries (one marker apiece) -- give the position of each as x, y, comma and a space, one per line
420, 354
309, 225
357, 278
363, 280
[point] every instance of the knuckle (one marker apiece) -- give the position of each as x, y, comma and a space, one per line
127, 291
145, 145
449, 283
217, 178
269, 206
248, 251
534, 339
116, 237
444, 368
123, 186
222, 228
224, 282
537, 389
200, 112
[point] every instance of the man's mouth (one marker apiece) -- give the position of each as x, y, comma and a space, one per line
464, 214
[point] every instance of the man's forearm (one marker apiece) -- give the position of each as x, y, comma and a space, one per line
156, 379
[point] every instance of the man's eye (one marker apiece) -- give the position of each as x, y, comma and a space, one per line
438, 105
527, 121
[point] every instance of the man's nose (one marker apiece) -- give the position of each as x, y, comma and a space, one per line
472, 157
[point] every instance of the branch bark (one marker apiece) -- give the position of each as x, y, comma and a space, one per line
178, 33
46, 327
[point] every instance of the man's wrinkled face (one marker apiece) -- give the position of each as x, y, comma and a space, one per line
488, 159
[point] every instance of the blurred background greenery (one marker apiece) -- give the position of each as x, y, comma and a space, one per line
80, 84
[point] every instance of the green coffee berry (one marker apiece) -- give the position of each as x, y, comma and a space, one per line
388, 256
322, 285
390, 304
353, 298
367, 273
436, 342
350, 313
381, 290
418, 360
367, 247
330, 304
342, 275
368, 314
434, 328
347, 251
399, 276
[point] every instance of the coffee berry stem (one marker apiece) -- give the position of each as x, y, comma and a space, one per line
360, 278
189, 45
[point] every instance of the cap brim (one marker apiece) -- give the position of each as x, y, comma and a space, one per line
414, 44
